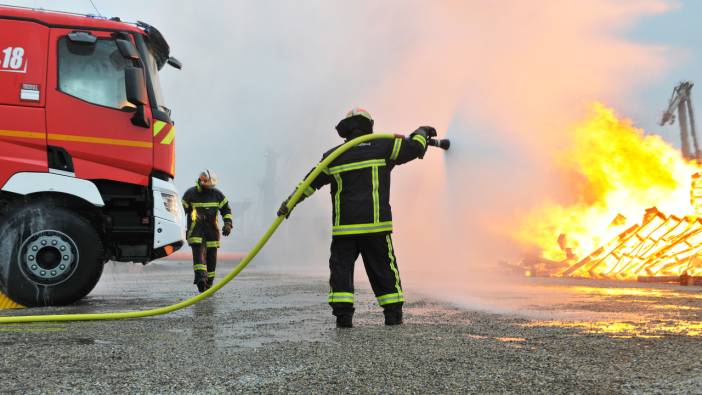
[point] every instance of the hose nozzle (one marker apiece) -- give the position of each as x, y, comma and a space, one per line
444, 144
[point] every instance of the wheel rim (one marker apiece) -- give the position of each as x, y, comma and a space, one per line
48, 257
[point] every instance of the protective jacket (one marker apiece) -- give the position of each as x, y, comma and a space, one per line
201, 208
360, 183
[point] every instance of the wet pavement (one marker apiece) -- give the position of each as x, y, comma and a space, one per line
268, 332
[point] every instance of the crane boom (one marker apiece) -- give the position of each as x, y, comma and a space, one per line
681, 100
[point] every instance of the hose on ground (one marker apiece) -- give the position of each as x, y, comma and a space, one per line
217, 286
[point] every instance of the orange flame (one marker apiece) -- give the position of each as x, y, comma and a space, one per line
622, 175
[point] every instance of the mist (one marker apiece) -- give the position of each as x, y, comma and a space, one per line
265, 82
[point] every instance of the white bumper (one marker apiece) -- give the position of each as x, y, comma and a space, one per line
169, 217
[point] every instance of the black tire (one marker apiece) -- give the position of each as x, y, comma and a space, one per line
49, 256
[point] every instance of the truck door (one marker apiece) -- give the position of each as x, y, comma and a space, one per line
88, 114
23, 49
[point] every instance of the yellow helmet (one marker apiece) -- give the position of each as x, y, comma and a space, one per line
207, 179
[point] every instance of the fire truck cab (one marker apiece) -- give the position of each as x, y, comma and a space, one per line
86, 152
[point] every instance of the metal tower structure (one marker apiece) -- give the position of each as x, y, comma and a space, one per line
681, 100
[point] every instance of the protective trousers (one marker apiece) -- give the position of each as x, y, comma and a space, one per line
381, 266
204, 261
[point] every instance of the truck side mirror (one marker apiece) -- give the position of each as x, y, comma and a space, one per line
136, 94
175, 63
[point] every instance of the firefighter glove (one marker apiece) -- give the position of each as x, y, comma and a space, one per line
227, 229
426, 131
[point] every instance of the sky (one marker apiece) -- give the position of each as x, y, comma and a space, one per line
678, 29
264, 82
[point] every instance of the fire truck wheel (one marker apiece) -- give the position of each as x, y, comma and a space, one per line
49, 256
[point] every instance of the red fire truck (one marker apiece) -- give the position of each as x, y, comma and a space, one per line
86, 152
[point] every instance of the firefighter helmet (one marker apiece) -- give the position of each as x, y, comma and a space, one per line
207, 179
356, 119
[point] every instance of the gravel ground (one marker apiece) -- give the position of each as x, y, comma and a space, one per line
273, 333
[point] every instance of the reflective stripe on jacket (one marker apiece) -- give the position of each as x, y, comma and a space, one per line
360, 184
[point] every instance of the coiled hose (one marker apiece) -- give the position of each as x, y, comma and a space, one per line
216, 287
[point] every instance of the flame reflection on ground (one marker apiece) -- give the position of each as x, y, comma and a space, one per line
645, 312
641, 329
612, 308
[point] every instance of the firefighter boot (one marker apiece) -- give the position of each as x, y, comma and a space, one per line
393, 315
344, 314
210, 282
344, 321
200, 280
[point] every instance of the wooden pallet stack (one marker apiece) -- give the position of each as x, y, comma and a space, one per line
661, 248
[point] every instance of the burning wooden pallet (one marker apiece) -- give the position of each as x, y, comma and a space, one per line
661, 249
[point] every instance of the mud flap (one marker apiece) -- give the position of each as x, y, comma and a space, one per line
7, 303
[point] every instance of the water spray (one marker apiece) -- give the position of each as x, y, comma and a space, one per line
443, 144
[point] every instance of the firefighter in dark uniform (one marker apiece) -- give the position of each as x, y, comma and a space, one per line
361, 215
202, 203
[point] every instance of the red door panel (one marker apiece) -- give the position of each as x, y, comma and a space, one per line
22, 141
82, 114
23, 51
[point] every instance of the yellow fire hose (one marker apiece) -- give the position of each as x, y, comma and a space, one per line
237, 269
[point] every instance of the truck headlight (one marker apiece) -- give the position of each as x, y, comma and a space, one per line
171, 202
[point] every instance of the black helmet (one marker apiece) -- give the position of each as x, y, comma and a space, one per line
356, 119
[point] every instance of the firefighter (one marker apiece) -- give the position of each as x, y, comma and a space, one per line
202, 203
361, 215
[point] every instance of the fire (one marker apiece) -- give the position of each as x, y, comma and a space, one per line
633, 215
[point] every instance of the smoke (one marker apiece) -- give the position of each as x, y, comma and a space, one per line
265, 82
507, 83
